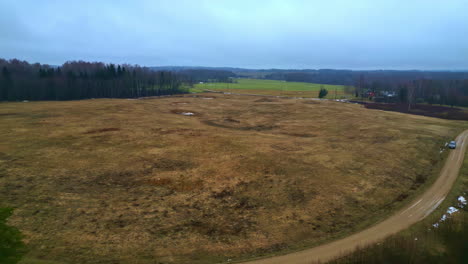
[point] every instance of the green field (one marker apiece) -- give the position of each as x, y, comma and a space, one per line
272, 87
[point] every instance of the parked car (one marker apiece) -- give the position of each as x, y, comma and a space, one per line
452, 144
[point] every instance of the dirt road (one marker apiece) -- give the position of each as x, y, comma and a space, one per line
421, 207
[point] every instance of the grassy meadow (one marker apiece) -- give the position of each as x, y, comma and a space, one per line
142, 181
272, 87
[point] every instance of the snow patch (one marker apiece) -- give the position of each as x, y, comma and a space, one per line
187, 113
462, 201
452, 210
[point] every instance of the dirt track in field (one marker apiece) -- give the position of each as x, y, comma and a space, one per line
421, 207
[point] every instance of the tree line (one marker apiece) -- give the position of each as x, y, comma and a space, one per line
451, 92
194, 76
409, 87
20, 80
349, 77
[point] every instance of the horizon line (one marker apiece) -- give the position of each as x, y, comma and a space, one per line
246, 68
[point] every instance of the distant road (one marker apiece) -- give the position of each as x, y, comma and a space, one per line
421, 207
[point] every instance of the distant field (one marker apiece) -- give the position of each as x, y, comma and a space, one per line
272, 87
136, 181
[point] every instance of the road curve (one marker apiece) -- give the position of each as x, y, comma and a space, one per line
421, 207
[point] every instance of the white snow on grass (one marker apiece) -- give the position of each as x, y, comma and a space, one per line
187, 113
462, 201
452, 210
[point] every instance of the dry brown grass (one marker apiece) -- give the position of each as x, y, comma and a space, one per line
102, 130
134, 181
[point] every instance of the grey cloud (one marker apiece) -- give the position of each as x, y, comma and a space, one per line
361, 34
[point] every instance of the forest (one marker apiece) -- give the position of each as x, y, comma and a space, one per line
432, 87
443, 92
20, 80
193, 76
349, 77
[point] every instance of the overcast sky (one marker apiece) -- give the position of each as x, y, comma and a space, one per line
345, 34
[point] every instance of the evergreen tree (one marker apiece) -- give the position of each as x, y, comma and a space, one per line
323, 92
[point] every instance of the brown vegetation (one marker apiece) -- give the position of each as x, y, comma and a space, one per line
238, 178
101, 130
452, 113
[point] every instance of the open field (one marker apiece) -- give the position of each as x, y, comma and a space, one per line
420, 207
136, 181
272, 87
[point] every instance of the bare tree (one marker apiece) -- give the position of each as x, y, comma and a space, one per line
411, 88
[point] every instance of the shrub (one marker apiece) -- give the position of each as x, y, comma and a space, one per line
11, 246
323, 92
